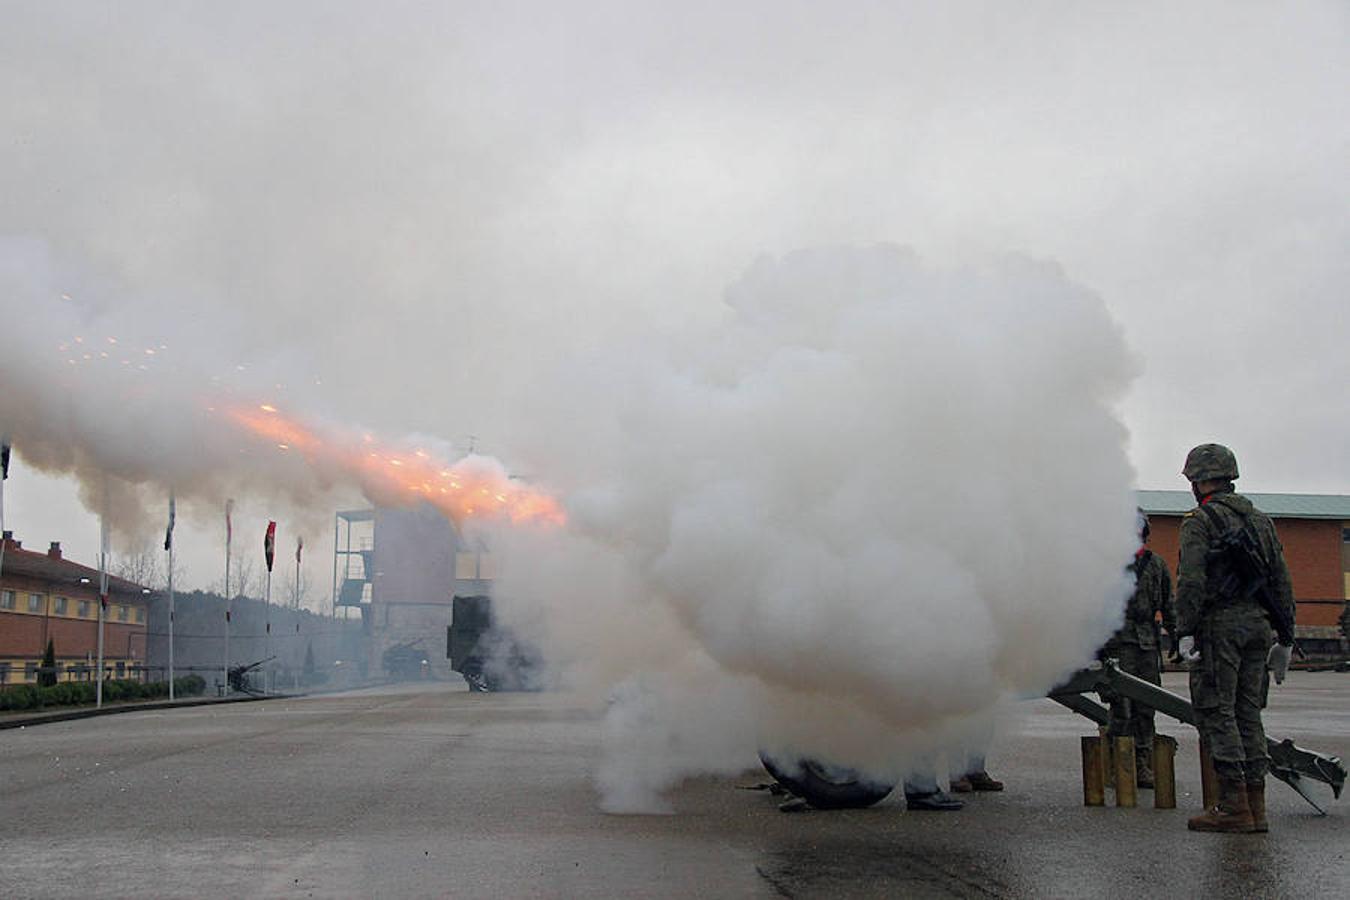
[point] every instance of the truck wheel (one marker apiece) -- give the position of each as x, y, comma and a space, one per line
827, 786
476, 682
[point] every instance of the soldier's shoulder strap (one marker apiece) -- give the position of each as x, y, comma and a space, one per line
1216, 518
1244, 528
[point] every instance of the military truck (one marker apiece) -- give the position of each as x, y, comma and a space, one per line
486, 653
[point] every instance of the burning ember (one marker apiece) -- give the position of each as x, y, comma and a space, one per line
476, 486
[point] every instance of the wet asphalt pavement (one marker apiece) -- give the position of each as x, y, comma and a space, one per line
429, 791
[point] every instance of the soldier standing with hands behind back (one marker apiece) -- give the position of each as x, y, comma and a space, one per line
1232, 587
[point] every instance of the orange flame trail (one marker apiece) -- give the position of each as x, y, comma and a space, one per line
473, 487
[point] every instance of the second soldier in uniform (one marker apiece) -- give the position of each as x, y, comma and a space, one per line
1137, 649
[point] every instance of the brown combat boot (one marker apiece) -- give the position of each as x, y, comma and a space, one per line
975, 781
983, 781
1256, 802
1231, 815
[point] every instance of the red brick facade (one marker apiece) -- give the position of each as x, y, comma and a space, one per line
1312, 548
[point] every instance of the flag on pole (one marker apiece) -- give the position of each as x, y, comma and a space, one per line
4, 474
299, 545
168, 532
270, 543
229, 526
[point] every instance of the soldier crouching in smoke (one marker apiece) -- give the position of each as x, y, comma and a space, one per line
1137, 649
1232, 587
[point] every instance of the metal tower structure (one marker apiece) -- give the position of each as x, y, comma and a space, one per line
353, 566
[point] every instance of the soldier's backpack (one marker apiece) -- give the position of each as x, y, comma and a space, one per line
1244, 572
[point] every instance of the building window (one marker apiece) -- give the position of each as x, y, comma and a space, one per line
121, 613
35, 603
61, 603
6, 599
84, 609
29, 671
474, 566
121, 669
140, 615
4, 672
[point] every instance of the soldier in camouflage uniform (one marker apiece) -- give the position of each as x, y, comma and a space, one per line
1137, 650
1227, 638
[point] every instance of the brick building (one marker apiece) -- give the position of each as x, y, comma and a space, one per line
44, 596
1315, 532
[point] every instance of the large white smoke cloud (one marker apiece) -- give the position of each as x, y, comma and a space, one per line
874, 502
845, 521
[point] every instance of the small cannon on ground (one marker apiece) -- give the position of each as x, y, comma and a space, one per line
239, 676
1288, 762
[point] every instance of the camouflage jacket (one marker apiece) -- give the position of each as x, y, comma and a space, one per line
1152, 595
1197, 591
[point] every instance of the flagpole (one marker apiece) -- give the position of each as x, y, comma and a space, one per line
4, 476
269, 548
2, 510
229, 534
267, 649
102, 594
168, 545
2, 526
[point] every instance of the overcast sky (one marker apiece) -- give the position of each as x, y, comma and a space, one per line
400, 213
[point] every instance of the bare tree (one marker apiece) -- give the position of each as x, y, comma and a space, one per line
244, 579
143, 567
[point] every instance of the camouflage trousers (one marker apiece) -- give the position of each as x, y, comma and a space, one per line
1130, 719
1228, 690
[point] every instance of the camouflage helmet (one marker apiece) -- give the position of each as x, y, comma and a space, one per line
1210, 462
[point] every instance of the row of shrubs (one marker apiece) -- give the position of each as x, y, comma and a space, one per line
78, 693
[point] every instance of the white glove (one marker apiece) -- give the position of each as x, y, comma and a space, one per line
1278, 660
1186, 648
